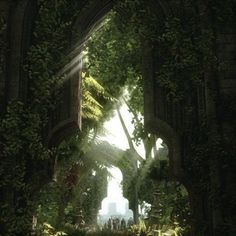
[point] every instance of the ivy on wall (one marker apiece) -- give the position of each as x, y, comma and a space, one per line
21, 146
24, 157
185, 51
186, 61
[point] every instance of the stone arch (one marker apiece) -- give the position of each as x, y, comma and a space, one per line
85, 23
68, 119
20, 32
152, 122
20, 22
89, 18
19, 16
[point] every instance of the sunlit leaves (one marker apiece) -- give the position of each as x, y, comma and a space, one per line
22, 149
94, 94
111, 53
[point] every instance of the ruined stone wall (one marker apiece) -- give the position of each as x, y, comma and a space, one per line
200, 129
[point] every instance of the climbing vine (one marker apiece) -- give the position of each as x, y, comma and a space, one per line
184, 50
20, 145
23, 152
183, 37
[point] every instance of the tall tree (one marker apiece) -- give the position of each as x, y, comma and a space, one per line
114, 54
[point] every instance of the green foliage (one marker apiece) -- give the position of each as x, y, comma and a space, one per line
71, 231
114, 60
182, 51
183, 38
90, 193
169, 201
113, 55
139, 229
23, 154
80, 183
20, 145
48, 230
47, 205
182, 68
100, 58
94, 95
183, 47
47, 55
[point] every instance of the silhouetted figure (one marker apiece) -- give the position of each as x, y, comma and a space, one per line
123, 224
109, 224
114, 224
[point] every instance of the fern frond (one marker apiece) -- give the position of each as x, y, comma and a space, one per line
90, 83
89, 100
91, 107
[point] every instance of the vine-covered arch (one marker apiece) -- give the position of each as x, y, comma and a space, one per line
82, 28
203, 153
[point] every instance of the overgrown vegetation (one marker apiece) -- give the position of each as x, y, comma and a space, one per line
185, 60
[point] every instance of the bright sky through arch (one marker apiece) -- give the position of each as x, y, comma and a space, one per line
118, 138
